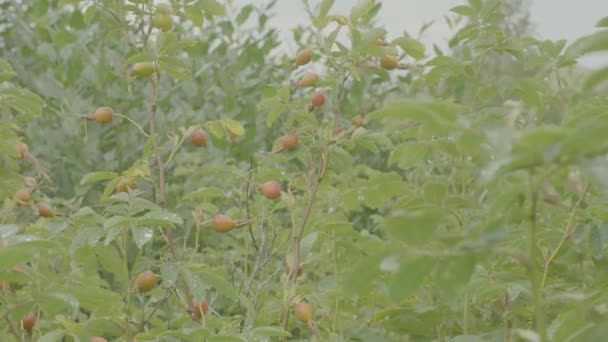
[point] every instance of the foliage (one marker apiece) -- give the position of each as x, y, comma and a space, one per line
442, 199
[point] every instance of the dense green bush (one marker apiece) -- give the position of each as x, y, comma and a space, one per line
453, 195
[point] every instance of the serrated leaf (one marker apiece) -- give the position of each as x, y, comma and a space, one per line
325, 6
411, 46
591, 43
271, 331
233, 127
6, 71
408, 154
194, 14
360, 9
361, 278
212, 7
22, 100
159, 218
463, 10
226, 338
112, 234
54, 336
216, 128
415, 227
93, 177
21, 252
218, 282
409, 277
141, 235
595, 242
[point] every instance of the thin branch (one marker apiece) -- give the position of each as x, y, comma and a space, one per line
562, 99
565, 236
160, 302
162, 197
292, 279
118, 21
247, 188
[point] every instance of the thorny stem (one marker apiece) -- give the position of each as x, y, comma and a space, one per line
565, 236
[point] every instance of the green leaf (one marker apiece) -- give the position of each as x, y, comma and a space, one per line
361, 9
596, 78
195, 15
455, 273
361, 278
409, 277
6, 71
226, 338
216, 128
408, 154
54, 336
93, 177
596, 245
233, 127
212, 7
415, 227
441, 112
602, 22
325, 6
411, 46
569, 325
463, 10
271, 331
22, 100
159, 218
244, 14
21, 252
218, 282
141, 235
175, 67
592, 43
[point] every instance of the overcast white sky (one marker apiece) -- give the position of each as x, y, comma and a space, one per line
554, 19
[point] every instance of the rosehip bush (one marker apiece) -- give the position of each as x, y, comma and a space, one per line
170, 173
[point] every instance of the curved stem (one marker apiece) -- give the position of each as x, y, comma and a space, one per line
134, 124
